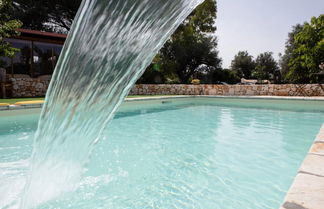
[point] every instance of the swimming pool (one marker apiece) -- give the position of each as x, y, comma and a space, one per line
178, 153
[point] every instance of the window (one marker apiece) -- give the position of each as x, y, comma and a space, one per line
45, 56
34, 58
22, 60
5, 62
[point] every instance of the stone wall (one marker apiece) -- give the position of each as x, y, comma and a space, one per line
24, 86
230, 90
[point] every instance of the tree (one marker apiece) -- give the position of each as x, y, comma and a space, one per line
187, 54
243, 64
153, 73
308, 52
223, 75
192, 46
8, 28
48, 15
265, 66
290, 47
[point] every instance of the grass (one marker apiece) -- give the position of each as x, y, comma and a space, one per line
14, 100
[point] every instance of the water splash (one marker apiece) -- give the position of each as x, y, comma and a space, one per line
109, 46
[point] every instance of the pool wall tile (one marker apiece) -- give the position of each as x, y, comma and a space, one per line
4, 107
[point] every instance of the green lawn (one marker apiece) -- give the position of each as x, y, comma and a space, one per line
14, 100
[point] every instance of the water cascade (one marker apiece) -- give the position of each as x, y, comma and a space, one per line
108, 48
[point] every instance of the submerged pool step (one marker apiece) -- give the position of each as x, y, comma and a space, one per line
4, 106
22, 105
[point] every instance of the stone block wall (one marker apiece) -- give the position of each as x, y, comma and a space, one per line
24, 86
230, 90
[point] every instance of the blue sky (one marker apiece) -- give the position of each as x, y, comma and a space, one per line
259, 25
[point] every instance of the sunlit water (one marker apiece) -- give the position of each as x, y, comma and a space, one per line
108, 47
190, 153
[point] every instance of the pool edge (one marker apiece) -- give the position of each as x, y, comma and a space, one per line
307, 190
39, 105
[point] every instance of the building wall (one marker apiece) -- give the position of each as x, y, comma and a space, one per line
35, 87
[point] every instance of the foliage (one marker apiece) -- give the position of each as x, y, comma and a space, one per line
191, 46
243, 64
153, 74
290, 47
48, 15
265, 66
8, 28
185, 56
225, 75
308, 51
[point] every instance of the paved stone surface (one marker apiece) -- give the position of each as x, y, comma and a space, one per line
307, 191
320, 136
292, 205
313, 165
317, 148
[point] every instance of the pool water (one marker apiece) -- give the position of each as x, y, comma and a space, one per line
178, 153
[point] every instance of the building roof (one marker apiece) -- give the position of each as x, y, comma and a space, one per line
40, 35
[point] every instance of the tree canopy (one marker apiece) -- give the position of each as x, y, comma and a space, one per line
243, 64
189, 48
308, 51
266, 66
48, 15
8, 28
290, 47
192, 49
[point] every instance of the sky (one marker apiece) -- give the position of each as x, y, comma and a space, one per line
259, 25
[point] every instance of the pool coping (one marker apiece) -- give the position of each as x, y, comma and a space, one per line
39, 105
307, 190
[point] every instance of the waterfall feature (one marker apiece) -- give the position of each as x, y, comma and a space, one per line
109, 46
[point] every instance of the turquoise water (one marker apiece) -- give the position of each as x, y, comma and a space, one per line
182, 153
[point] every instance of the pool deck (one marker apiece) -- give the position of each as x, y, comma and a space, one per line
307, 190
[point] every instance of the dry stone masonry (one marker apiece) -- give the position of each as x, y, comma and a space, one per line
24, 86
230, 90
